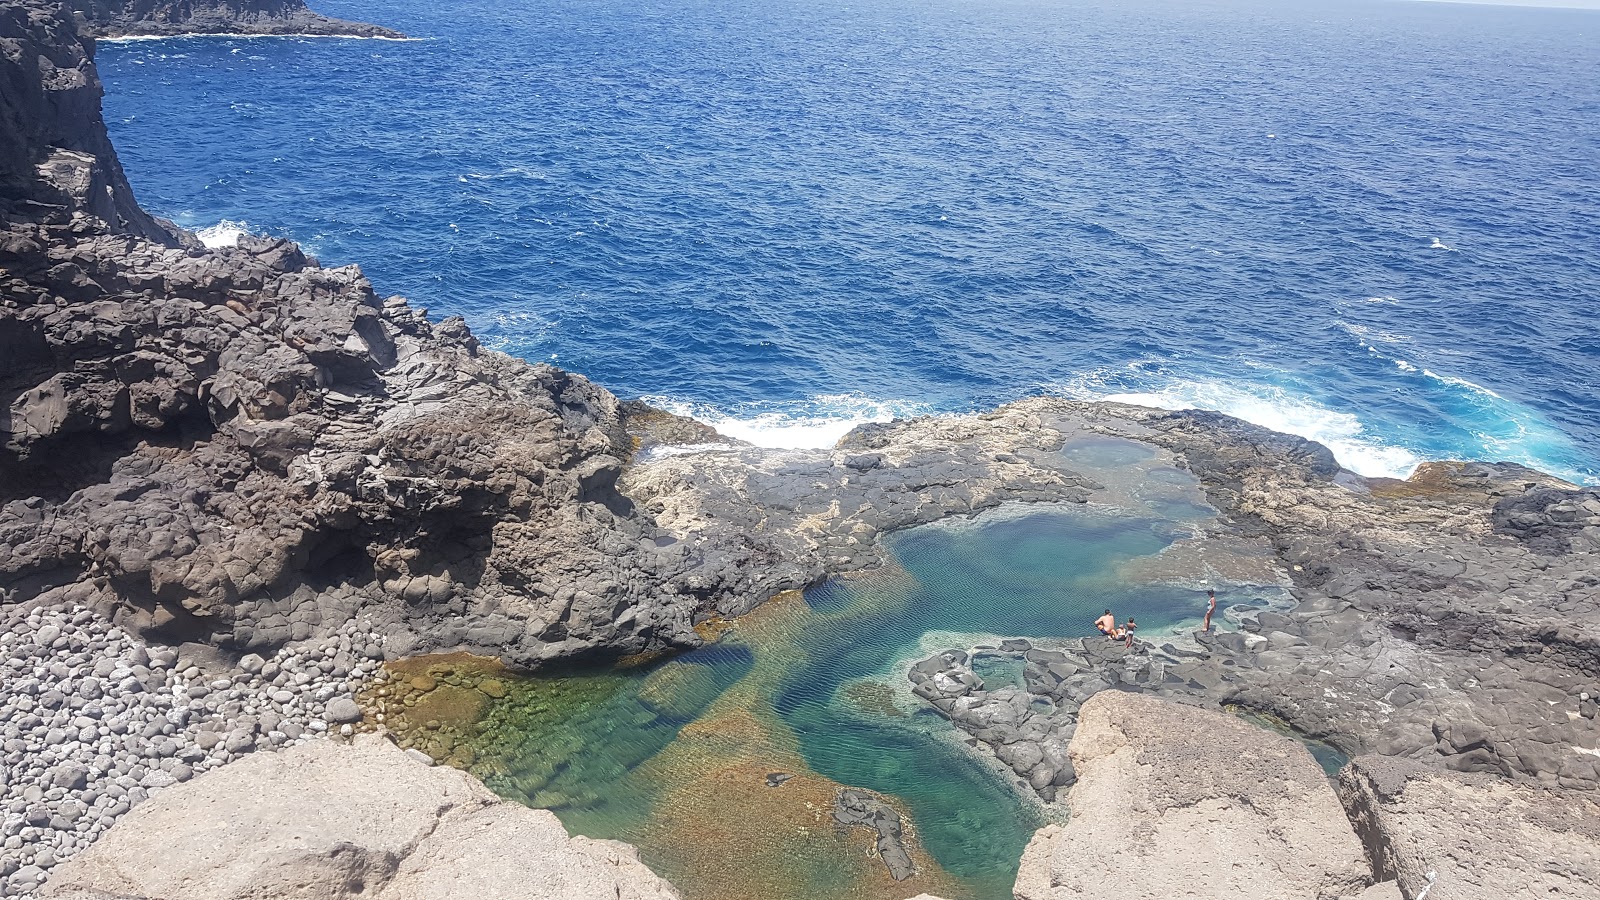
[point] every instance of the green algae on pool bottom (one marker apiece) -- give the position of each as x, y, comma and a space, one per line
674, 757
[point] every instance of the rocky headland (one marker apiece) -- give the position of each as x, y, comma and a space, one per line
233, 481
164, 18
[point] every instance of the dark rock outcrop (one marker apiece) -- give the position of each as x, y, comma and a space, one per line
57, 167
855, 808
117, 18
241, 447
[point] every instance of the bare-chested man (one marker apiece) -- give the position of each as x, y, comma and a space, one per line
1107, 624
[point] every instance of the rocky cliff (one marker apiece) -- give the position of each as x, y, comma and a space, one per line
117, 18
57, 168
242, 447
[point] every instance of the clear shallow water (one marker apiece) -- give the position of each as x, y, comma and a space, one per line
675, 757
1371, 223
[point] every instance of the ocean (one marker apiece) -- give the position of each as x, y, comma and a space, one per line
1374, 224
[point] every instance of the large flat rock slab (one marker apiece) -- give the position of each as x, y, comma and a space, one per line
1470, 837
326, 821
1176, 801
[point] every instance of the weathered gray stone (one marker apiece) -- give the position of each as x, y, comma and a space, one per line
328, 821
342, 710
1184, 802
1466, 837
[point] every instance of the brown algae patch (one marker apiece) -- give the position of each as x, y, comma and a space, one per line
689, 749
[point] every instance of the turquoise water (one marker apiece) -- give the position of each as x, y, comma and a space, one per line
1045, 574
816, 687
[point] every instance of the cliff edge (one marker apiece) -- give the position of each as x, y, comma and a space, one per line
243, 448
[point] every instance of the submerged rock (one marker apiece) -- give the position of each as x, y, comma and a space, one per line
858, 808
1175, 801
331, 821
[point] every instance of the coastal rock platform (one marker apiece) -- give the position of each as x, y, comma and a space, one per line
1456, 836
1227, 810
327, 820
233, 480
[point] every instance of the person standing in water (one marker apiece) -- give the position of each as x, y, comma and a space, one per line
1211, 607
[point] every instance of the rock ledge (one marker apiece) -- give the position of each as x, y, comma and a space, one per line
328, 820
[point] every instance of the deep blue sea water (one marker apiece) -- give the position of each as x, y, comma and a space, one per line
1373, 223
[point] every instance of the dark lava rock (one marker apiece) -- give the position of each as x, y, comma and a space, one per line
861, 809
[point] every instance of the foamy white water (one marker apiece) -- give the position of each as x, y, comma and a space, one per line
223, 234
808, 424
1280, 410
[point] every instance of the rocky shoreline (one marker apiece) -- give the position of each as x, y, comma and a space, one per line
233, 481
96, 722
155, 18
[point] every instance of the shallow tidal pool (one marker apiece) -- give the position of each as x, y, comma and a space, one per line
721, 765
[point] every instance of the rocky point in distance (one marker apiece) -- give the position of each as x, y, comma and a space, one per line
233, 482
164, 18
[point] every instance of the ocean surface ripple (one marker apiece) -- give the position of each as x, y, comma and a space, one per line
1370, 223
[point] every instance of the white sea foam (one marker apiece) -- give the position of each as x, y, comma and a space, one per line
1460, 383
1439, 245
808, 424
223, 234
1281, 410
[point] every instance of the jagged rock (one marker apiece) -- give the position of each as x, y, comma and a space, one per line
1467, 837
1175, 801
330, 821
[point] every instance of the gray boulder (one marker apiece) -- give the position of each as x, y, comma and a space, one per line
1176, 801
329, 821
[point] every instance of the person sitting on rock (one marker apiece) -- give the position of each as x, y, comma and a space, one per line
1107, 624
1127, 632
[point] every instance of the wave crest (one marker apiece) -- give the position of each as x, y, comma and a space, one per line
1278, 409
815, 423
223, 234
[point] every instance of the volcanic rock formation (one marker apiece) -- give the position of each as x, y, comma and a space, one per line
117, 18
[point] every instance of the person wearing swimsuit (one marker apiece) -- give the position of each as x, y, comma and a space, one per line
1107, 624
1211, 607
